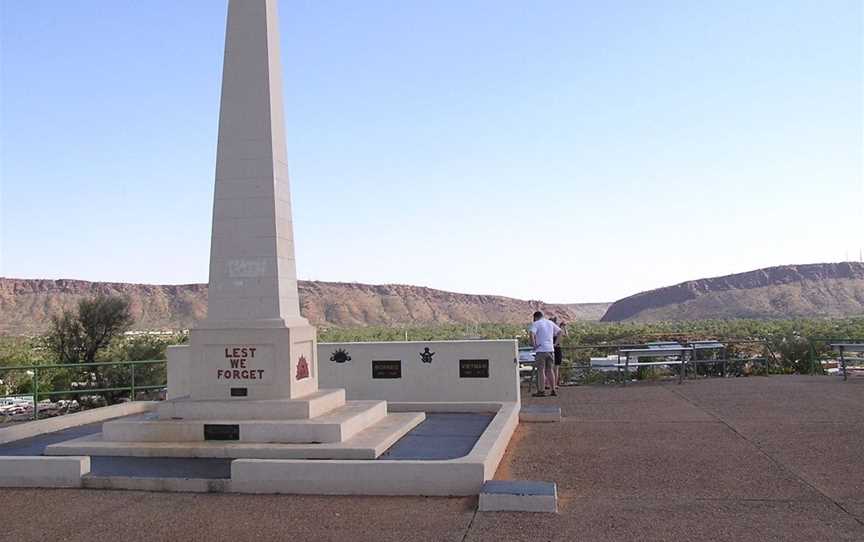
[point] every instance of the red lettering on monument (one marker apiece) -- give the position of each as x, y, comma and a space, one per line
238, 357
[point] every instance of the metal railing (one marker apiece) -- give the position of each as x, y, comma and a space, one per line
682, 365
33, 371
830, 342
623, 366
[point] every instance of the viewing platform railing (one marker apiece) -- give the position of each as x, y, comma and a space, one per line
624, 359
35, 371
842, 346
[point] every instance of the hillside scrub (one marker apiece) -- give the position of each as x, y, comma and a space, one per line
788, 343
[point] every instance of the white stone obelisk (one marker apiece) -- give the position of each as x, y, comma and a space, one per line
254, 344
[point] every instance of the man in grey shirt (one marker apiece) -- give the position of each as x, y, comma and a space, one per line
543, 333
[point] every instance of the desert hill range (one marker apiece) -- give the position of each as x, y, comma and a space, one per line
792, 291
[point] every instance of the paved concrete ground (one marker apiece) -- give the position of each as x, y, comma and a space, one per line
765, 459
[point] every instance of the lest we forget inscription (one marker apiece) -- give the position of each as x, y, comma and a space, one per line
246, 364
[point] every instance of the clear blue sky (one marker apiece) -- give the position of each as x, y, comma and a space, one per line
561, 150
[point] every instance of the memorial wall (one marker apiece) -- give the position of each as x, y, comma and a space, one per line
437, 371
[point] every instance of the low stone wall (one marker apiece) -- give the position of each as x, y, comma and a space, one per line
50, 425
453, 477
434, 371
313, 477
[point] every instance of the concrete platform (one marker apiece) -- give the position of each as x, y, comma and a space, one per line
449, 472
367, 444
310, 406
616, 479
337, 425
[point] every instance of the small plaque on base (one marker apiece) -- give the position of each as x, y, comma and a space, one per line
221, 432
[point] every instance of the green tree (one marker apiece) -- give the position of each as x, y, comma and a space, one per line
78, 337
102, 319
65, 337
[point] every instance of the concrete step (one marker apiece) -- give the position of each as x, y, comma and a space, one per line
540, 413
337, 425
518, 496
369, 443
309, 406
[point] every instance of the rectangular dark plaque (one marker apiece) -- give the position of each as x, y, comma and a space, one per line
239, 392
473, 368
221, 432
391, 368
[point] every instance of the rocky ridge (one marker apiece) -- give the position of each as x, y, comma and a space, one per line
26, 305
789, 291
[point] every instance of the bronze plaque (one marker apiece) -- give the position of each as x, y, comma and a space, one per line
387, 368
221, 432
473, 368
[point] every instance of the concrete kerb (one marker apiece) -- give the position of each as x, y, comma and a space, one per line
39, 471
456, 477
172, 485
42, 471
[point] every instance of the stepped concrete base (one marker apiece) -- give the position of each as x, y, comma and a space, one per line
337, 425
310, 406
325, 469
367, 444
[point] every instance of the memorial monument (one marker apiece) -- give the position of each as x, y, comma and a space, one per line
253, 371
254, 344
246, 387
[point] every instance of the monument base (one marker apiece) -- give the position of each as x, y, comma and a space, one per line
310, 406
260, 360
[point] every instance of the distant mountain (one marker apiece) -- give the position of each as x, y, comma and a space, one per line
789, 291
26, 305
816, 290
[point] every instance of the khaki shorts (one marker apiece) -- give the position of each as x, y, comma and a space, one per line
543, 357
